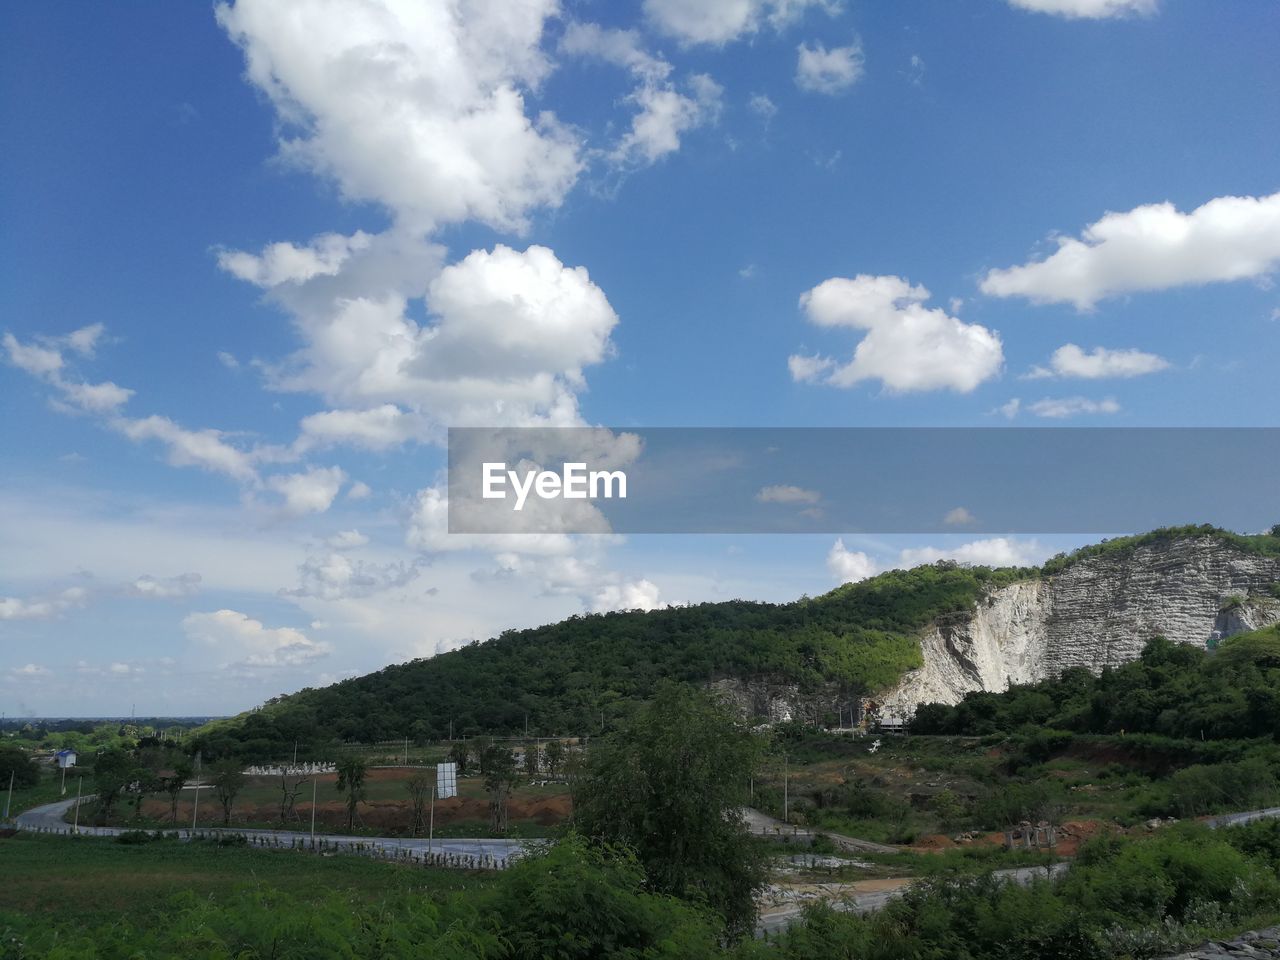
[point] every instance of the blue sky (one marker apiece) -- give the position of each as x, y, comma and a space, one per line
296, 248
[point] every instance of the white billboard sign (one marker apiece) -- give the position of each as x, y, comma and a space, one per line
446, 780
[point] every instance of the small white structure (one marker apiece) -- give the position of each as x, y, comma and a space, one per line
65, 759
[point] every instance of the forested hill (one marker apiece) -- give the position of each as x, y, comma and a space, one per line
861, 637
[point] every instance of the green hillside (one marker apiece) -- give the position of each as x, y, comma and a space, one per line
862, 636
561, 677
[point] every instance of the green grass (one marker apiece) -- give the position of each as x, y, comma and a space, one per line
91, 880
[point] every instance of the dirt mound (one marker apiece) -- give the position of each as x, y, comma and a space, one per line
1073, 833
933, 841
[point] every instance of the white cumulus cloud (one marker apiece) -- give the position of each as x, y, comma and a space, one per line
849, 566
1072, 361
245, 642
312, 491
908, 346
1152, 247
418, 106
993, 552
819, 70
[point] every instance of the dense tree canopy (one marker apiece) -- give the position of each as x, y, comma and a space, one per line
863, 636
1174, 690
671, 784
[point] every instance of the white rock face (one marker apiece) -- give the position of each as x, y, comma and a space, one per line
1099, 612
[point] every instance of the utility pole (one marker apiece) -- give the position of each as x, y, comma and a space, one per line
295, 753
406, 751
9, 801
64, 781
431, 829
451, 731
313, 812
786, 791
195, 805
75, 827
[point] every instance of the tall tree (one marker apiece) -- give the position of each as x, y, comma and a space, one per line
420, 786
671, 783
228, 781
553, 754
531, 759
351, 775
179, 775
500, 772
114, 772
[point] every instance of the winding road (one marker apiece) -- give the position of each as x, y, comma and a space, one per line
50, 819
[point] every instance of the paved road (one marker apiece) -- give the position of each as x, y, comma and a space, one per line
50, 819
1232, 819
776, 918
847, 897
759, 822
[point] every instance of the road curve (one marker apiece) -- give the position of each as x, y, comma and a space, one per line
761, 824
485, 852
776, 918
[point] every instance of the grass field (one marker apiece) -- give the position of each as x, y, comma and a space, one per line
93, 880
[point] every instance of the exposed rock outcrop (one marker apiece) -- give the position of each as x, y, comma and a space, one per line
1098, 612
766, 700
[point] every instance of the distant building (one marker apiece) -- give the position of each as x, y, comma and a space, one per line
65, 758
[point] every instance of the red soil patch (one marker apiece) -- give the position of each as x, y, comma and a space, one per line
934, 841
1073, 833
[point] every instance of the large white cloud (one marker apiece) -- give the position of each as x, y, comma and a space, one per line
907, 347
1089, 9
418, 106
1070, 360
1152, 247
993, 552
721, 21
509, 335
849, 566
241, 641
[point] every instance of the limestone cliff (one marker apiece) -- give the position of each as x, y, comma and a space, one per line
1097, 612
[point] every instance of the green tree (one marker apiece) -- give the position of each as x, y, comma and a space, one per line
458, 754
173, 784
553, 756
531, 752
114, 772
500, 772
670, 783
15, 762
351, 776
227, 780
